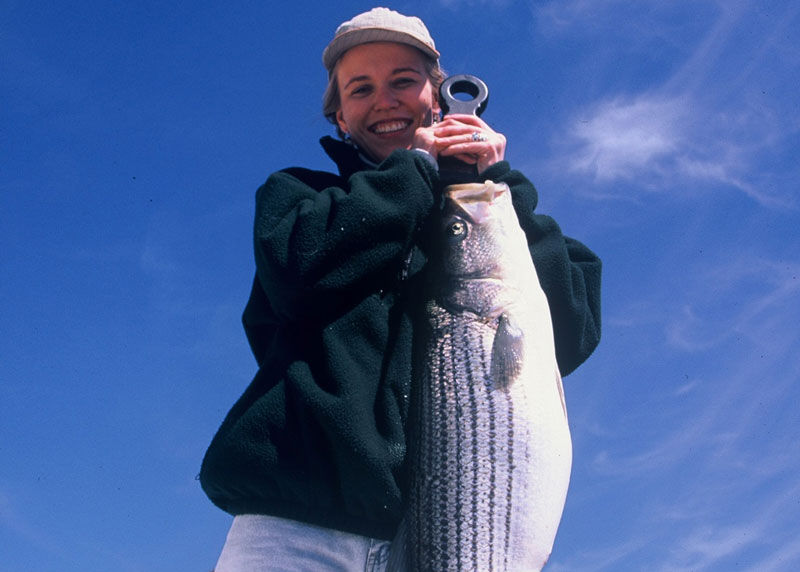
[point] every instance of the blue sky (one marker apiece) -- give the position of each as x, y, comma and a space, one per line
665, 135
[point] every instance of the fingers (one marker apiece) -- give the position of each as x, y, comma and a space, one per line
469, 139
465, 119
425, 139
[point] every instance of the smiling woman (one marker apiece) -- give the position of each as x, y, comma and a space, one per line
311, 460
386, 96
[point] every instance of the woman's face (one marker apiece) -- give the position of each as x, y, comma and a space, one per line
385, 96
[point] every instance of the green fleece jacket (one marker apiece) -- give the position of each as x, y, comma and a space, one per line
319, 434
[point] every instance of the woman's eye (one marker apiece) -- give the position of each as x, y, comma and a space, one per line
405, 82
361, 90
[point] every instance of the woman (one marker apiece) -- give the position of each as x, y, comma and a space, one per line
311, 457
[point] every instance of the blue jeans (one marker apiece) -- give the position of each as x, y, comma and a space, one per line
258, 543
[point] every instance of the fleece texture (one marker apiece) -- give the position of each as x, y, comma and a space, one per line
319, 435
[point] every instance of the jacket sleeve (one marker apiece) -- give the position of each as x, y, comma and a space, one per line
569, 273
322, 242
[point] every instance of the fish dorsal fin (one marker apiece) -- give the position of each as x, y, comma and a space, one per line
507, 350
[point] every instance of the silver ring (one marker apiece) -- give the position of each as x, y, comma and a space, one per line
478, 136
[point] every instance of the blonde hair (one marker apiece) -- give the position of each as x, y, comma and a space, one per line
331, 101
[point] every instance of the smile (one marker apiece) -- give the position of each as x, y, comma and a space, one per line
392, 126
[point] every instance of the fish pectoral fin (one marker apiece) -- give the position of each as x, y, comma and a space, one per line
507, 350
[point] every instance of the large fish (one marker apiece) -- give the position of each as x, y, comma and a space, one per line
491, 449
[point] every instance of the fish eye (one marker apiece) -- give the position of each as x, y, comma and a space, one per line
456, 229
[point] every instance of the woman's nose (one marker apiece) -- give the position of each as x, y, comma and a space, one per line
385, 98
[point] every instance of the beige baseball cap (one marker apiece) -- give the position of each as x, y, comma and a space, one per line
379, 25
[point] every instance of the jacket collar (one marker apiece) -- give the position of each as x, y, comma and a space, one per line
346, 156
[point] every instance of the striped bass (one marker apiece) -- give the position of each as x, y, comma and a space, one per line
490, 445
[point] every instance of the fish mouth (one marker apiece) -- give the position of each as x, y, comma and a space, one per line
390, 126
492, 274
479, 280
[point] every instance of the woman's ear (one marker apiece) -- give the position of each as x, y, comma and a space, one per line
436, 110
341, 122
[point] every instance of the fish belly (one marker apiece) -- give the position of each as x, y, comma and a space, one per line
492, 461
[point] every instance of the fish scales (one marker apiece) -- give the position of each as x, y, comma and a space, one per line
491, 451
470, 444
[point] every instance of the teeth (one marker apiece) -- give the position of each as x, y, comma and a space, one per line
390, 126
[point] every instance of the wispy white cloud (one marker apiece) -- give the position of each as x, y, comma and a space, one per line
705, 546
564, 16
740, 314
473, 3
605, 558
726, 439
619, 138
752, 291
686, 536
715, 121
710, 545
663, 141
782, 558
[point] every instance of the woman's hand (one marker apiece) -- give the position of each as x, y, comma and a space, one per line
466, 137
